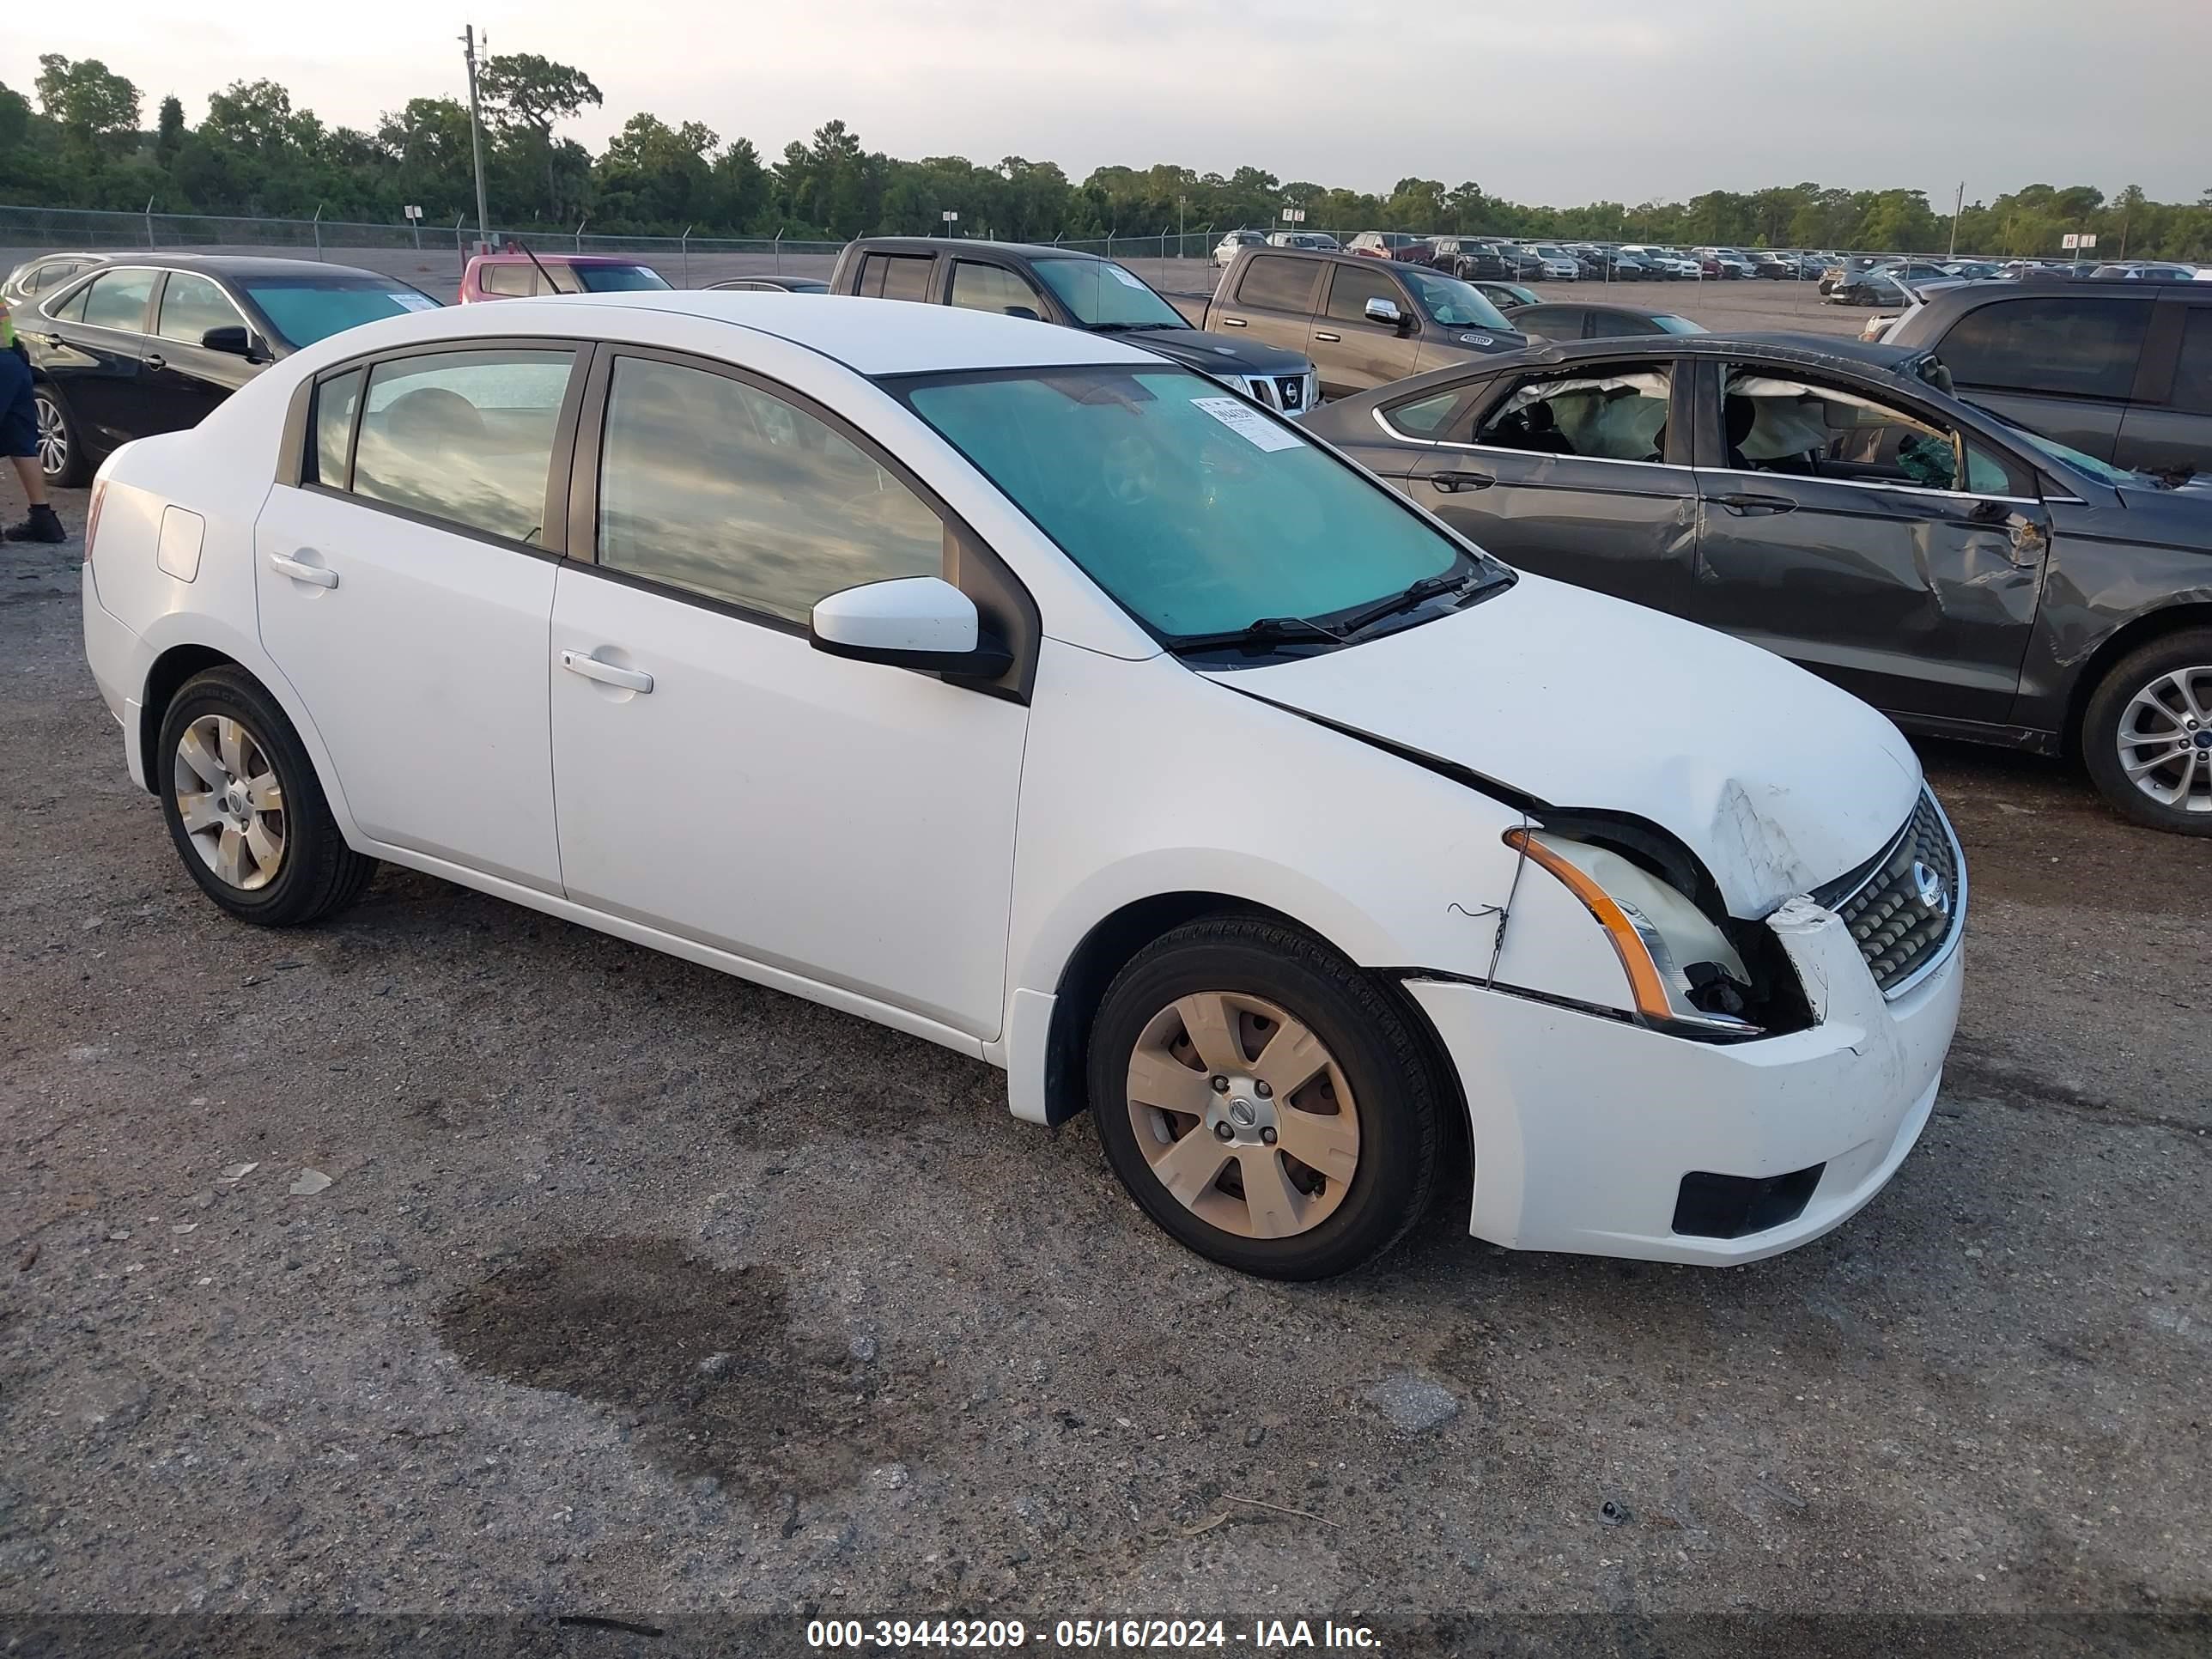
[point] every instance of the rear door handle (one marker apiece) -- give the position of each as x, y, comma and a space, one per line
1452, 483
607, 673
1232, 322
1323, 334
1743, 506
301, 571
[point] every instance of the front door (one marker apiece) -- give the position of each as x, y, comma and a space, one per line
1867, 541
184, 379
843, 823
1582, 476
406, 597
1352, 351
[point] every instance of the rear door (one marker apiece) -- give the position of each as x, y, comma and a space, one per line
1867, 539
2168, 426
1350, 350
1274, 300
2063, 364
1584, 476
896, 277
184, 378
406, 590
91, 348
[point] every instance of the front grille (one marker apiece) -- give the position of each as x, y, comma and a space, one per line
1906, 908
1290, 392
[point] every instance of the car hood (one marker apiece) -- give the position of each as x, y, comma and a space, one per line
1777, 781
1218, 354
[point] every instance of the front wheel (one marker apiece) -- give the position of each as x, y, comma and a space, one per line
246, 810
2147, 734
61, 453
1263, 1101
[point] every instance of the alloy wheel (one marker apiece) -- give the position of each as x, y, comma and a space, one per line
230, 801
1243, 1115
2165, 739
53, 437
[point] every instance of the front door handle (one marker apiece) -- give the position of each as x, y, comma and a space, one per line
155, 362
1452, 483
301, 571
1743, 506
606, 673
1323, 334
1232, 322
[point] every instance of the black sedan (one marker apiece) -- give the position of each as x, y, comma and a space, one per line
148, 344
771, 285
1570, 320
1834, 502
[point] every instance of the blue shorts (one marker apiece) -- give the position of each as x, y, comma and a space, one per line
19, 416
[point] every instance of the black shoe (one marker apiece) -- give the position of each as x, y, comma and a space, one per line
43, 525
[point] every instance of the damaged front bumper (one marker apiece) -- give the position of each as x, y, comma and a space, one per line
1585, 1129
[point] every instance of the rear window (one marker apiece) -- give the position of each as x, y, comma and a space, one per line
2078, 347
1278, 283
895, 275
512, 280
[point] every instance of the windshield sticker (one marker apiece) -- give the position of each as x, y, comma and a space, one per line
1123, 277
415, 302
1248, 424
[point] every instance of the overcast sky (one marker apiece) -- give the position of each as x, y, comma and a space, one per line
1562, 101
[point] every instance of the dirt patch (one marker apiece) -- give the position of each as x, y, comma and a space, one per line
701, 1360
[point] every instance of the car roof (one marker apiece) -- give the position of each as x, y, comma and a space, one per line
967, 245
241, 264
556, 258
871, 336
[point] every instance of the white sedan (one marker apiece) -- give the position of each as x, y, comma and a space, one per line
1025, 692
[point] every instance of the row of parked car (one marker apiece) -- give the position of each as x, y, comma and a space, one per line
1501, 260
2108, 380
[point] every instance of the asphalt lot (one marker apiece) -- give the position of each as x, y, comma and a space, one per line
636, 1290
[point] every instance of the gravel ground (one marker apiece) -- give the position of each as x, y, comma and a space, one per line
638, 1292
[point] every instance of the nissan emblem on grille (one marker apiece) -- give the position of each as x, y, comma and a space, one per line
1934, 891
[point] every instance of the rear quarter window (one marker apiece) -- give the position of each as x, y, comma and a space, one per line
2076, 346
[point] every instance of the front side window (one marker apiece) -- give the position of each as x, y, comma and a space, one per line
895, 275
1196, 512
117, 299
1350, 289
466, 436
335, 401
995, 288
1620, 415
1274, 283
190, 305
1102, 295
1780, 424
2193, 369
710, 484
305, 309
2082, 346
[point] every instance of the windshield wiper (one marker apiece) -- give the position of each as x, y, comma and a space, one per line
1131, 328
1428, 587
1268, 630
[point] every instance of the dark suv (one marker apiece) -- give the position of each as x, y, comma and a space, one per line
1470, 259
2119, 370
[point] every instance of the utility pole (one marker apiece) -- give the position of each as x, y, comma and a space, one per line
1957, 207
476, 132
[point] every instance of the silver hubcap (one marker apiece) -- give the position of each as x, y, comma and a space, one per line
2165, 739
231, 806
53, 438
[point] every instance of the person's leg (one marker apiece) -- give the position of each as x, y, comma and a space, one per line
19, 441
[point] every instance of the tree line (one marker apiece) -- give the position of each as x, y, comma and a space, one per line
78, 141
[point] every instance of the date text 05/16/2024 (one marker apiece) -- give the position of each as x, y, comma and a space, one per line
1262, 1636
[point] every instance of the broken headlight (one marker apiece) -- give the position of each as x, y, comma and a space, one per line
1681, 968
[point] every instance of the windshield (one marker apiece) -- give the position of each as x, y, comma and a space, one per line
1452, 302
2103, 471
1670, 324
617, 279
1102, 295
1197, 511
303, 310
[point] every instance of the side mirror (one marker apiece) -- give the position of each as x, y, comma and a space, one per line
909, 621
1386, 312
232, 340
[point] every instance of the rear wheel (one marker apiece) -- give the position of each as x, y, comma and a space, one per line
2147, 734
61, 455
1263, 1101
246, 808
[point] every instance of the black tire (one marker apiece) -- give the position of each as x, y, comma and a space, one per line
1372, 1037
73, 470
317, 874
2189, 649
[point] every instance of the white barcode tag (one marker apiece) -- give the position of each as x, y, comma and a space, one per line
1248, 424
